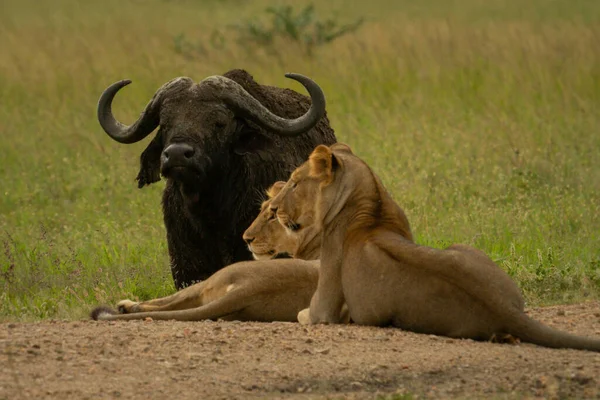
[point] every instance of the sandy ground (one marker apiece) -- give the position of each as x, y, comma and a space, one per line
239, 360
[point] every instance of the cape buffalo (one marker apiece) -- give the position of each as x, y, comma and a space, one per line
220, 144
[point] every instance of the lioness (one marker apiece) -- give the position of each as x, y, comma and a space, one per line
267, 290
386, 279
266, 238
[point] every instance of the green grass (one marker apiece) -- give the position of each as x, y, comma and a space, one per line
481, 117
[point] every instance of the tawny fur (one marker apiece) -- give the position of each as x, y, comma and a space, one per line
272, 290
266, 290
386, 279
265, 237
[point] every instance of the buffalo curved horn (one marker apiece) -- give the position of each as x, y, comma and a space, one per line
235, 96
148, 120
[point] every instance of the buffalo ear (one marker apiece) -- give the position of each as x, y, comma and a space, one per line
150, 162
250, 141
323, 163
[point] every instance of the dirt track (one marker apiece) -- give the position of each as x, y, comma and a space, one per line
157, 360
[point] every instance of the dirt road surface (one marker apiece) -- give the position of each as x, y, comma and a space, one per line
239, 360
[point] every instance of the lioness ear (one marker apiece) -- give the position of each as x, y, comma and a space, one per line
321, 162
341, 147
335, 162
275, 189
150, 162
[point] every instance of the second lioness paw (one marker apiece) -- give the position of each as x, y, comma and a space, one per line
127, 306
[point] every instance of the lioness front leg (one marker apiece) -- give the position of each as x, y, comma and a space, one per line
327, 310
328, 300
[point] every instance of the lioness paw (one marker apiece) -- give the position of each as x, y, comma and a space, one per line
345, 315
127, 306
304, 317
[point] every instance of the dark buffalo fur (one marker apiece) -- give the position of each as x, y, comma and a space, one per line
206, 215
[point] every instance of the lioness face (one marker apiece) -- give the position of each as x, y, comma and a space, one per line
307, 194
266, 237
294, 205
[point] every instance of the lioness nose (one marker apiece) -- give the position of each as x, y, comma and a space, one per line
248, 239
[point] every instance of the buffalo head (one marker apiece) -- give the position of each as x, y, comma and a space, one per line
201, 125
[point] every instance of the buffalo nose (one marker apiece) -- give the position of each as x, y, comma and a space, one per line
178, 153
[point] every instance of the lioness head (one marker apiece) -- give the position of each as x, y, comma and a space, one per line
266, 237
318, 190
295, 203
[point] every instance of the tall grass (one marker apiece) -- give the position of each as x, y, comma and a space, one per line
481, 117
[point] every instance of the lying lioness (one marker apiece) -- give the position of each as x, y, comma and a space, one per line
265, 237
266, 290
367, 262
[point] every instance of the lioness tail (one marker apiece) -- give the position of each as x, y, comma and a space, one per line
102, 313
532, 331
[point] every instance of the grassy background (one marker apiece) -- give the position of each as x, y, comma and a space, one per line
481, 117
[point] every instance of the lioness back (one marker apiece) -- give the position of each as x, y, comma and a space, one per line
280, 288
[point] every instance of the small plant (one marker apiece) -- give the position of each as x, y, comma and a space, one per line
300, 27
303, 28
